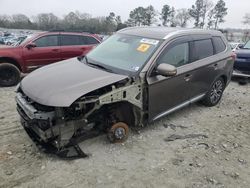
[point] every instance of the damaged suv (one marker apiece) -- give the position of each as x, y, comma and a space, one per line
136, 76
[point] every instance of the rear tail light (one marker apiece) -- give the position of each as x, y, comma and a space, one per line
233, 56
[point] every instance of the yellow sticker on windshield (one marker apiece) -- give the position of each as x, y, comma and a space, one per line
143, 47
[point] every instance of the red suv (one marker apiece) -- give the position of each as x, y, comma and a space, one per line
42, 49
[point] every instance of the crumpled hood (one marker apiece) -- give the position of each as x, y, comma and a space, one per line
62, 83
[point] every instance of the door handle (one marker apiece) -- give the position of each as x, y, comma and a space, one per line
187, 77
215, 66
55, 50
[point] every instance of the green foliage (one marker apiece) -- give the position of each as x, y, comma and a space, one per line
149, 16
165, 14
142, 16
196, 12
220, 11
182, 17
73, 21
246, 19
200, 11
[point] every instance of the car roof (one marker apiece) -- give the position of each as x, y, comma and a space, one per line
164, 32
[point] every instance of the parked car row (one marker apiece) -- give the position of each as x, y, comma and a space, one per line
242, 61
41, 49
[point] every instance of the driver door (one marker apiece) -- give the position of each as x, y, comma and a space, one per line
47, 51
165, 94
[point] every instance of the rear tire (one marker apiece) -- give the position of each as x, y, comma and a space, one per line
215, 93
9, 75
243, 81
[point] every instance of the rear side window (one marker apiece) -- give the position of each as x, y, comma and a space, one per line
219, 44
51, 40
91, 40
204, 48
70, 40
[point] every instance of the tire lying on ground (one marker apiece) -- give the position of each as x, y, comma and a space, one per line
9, 75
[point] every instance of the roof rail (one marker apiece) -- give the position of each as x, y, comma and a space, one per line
56, 30
73, 31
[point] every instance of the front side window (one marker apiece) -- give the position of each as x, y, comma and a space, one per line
176, 56
51, 40
124, 52
204, 48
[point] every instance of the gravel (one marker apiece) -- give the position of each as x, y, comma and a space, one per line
219, 159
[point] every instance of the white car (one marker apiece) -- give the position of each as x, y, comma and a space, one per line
235, 46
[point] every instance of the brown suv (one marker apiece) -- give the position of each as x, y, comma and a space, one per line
134, 77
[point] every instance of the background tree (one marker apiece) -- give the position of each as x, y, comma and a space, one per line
111, 23
70, 21
211, 20
20, 21
220, 12
5, 21
172, 20
196, 12
149, 16
47, 21
136, 17
119, 23
206, 7
182, 17
165, 14
246, 19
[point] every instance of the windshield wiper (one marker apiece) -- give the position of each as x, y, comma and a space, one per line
96, 65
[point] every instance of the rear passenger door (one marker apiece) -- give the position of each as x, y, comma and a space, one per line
70, 46
206, 65
75, 45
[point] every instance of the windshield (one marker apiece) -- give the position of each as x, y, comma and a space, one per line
247, 45
25, 40
123, 53
19, 40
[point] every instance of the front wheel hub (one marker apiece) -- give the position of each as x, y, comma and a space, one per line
118, 132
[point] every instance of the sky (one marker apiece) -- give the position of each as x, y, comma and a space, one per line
236, 8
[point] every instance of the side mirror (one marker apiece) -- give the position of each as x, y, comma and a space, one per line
166, 70
241, 46
80, 58
31, 45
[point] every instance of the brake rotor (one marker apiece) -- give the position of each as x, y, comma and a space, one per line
118, 132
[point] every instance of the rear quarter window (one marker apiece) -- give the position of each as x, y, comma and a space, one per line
219, 45
204, 48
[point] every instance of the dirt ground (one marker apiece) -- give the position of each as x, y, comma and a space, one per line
194, 147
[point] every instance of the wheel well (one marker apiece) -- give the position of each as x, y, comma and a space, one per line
11, 61
224, 78
122, 111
